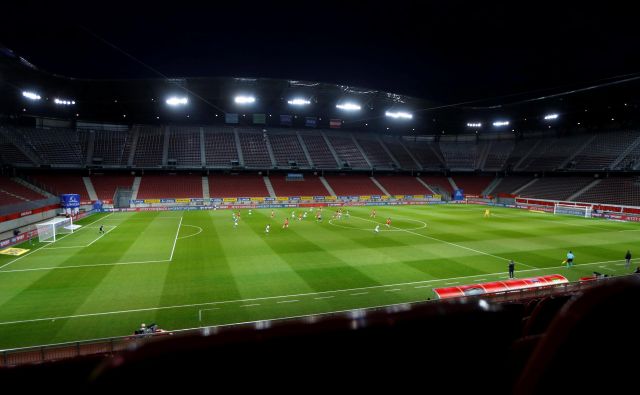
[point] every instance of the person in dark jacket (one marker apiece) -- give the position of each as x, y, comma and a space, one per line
627, 259
512, 267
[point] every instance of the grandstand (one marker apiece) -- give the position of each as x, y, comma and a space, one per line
187, 187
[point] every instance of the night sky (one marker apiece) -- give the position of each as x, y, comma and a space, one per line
447, 51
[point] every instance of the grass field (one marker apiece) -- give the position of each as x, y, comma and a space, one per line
193, 268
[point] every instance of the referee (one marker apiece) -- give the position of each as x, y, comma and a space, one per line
512, 267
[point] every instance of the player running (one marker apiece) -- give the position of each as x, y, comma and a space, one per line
373, 213
300, 217
286, 224
267, 229
101, 229
377, 229
487, 213
250, 212
273, 213
388, 223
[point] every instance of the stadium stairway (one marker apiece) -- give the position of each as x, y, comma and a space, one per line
425, 185
267, 184
32, 187
373, 179
205, 187
585, 189
453, 184
525, 186
487, 191
135, 188
90, 190
327, 186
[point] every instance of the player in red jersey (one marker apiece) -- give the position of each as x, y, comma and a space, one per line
388, 222
286, 223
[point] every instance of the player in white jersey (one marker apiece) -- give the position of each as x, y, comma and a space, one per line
377, 229
266, 230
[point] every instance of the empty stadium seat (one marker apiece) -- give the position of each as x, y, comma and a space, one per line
158, 186
353, 185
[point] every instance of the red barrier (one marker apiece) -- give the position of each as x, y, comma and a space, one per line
499, 286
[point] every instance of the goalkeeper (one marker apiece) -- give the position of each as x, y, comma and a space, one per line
487, 213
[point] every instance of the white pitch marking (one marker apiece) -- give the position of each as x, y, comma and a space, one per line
447, 242
455, 282
86, 245
250, 305
195, 234
392, 290
359, 293
289, 301
423, 286
175, 240
82, 266
48, 245
282, 296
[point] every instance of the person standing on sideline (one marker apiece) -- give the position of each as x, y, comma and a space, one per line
570, 258
512, 267
627, 259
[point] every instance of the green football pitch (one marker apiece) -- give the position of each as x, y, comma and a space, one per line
195, 268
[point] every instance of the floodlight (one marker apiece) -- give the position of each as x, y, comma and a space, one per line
177, 101
31, 95
348, 106
244, 99
399, 114
501, 123
550, 116
474, 124
299, 102
64, 102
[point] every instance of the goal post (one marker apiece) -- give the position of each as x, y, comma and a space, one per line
569, 209
49, 231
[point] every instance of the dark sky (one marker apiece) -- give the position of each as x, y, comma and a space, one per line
447, 51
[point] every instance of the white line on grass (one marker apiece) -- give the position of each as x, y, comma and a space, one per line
195, 234
450, 243
86, 245
82, 266
101, 236
250, 305
289, 301
49, 245
175, 240
285, 296
359, 293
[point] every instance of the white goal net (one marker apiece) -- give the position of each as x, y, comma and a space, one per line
566, 209
49, 231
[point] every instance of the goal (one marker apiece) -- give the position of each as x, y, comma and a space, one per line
567, 209
49, 231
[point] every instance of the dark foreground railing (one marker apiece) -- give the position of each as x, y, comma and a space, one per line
109, 346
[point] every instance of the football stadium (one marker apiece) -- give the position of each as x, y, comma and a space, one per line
207, 228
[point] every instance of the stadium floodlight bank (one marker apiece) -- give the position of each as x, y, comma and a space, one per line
566, 209
48, 231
